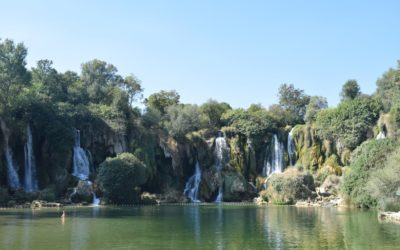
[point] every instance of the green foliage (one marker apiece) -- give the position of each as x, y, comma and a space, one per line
48, 82
13, 74
120, 175
288, 187
385, 182
369, 156
388, 88
314, 106
162, 100
350, 90
349, 122
250, 124
394, 119
294, 101
212, 111
182, 119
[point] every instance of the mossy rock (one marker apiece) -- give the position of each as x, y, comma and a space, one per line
236, 188
288, 187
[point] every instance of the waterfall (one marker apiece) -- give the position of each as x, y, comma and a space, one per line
273, 162
221, 158
96, 200
220, 196
30, 184
291, 148
12, 176
81, 161
381, 136
193, 184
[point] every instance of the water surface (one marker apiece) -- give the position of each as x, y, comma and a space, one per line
196, 227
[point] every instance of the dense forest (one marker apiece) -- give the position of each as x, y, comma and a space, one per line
69, 137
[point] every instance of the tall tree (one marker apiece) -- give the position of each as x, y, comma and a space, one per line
213, 110
162, 100
314, 106
294, 101
99, 77
13, 73
350, 90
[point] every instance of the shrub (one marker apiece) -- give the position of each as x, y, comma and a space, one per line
349, 122
369, 156
119, 176
384, 183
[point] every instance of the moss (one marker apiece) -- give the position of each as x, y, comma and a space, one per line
288, 187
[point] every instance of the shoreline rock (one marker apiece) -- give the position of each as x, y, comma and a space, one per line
389, 216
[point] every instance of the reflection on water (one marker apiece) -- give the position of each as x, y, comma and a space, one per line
196, 227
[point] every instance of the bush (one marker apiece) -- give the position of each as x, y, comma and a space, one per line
384, 183
369, 156
288, 187
119, 176
349, 122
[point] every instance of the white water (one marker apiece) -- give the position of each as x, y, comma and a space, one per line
96, 200
81, 161
192, 185
30, 180
221, 158
273, 162
220, 196
381, 136
12, 176
291, 148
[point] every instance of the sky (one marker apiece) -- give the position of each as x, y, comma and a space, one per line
232, 51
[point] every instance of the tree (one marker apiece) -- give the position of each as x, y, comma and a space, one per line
316, 104
250, 124
294, 101
182, 119
349, 122
213, 110
350, 90
120, 175
131, 85
13, 73
162, 100
49, 81
388, 88
98, 77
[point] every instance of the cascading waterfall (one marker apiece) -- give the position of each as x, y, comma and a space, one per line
12, 175
192, 185
81, 162
273, 162
221, 158
291, 148
30, 180
96, 200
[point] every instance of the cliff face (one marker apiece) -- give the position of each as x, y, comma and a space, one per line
171, 161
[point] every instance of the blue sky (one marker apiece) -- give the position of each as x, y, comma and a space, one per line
233, 51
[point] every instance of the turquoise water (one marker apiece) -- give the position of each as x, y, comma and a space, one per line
196, 227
